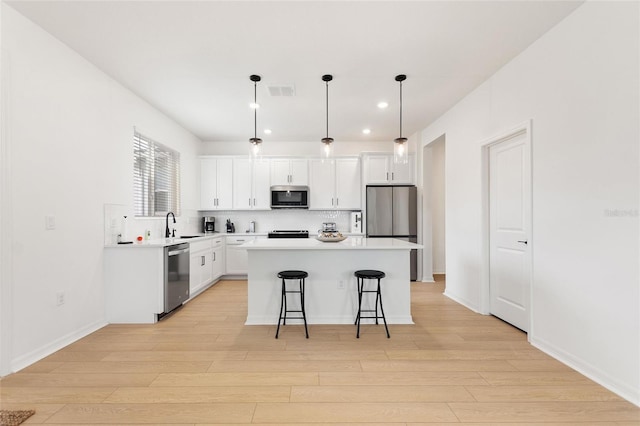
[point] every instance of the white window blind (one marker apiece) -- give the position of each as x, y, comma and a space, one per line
156, 178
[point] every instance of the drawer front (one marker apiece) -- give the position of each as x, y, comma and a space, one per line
239, 239
200, 245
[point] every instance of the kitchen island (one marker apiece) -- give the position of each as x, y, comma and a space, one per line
331, 294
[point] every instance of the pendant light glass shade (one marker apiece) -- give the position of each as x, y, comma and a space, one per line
400, 154
255, 149
327, 142
327, 148
400, 145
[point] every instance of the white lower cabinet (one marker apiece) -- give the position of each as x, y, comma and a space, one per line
218, 263
236, 255
206, 263
200, 268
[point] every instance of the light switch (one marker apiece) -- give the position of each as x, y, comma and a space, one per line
50, 223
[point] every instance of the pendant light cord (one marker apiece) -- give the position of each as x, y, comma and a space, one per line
400, 109
327, 86
255, 111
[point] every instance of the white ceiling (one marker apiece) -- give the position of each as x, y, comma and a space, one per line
192, 60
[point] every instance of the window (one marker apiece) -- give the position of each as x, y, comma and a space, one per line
156, 178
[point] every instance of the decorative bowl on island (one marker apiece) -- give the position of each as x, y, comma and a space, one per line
330, 237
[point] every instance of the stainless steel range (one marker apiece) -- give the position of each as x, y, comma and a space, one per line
288, 234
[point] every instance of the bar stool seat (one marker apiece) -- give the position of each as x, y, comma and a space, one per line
292, 275
361, 276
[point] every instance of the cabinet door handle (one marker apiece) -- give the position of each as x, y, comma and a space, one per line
214, 256
393, 176
387, 175
201, 260
337, 201
254, 202
523, 242
249, 202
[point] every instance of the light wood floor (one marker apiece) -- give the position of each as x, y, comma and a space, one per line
203, 366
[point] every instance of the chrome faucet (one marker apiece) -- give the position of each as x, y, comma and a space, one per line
167, 234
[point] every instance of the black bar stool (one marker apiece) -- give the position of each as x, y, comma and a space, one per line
369, 274
292, 275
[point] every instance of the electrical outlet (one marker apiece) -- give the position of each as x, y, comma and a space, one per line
50, 223
60, 298
341, 285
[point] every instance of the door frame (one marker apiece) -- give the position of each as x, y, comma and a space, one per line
6, 227
523, 128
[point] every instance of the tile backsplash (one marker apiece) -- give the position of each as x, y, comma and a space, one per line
268, 220
190, 222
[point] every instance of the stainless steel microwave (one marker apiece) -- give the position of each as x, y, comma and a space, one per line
289, 197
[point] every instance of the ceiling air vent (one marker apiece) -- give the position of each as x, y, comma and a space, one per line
281, 90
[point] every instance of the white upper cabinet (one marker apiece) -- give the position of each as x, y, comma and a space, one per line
348, 185
322, 184
380, 169
251, 186
334, 184
289, 171
216, 176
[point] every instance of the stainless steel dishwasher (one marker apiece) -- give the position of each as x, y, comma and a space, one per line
176, 276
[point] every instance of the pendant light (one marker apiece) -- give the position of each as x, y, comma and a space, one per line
255, 141
327, 142
400, 154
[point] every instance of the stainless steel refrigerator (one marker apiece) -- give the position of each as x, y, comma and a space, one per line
392, 213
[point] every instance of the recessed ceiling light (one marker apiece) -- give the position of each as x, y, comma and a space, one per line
267, 131
366, 131
382, 105
254, 105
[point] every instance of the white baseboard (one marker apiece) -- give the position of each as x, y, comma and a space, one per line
234, 277
464, 303
428, 279
34, 356
621, 389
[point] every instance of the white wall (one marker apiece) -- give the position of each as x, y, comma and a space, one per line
579, 86
69, 134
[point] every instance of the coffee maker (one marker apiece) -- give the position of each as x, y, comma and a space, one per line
208, 224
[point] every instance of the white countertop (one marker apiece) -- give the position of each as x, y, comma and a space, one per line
351, 243
165, 242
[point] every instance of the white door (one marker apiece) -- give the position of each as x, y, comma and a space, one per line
224, 184
509, 229
299, 172
261, 185
377, 169
280, 172
348, 183
322, 180
402, 173
208, 183
242, 196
